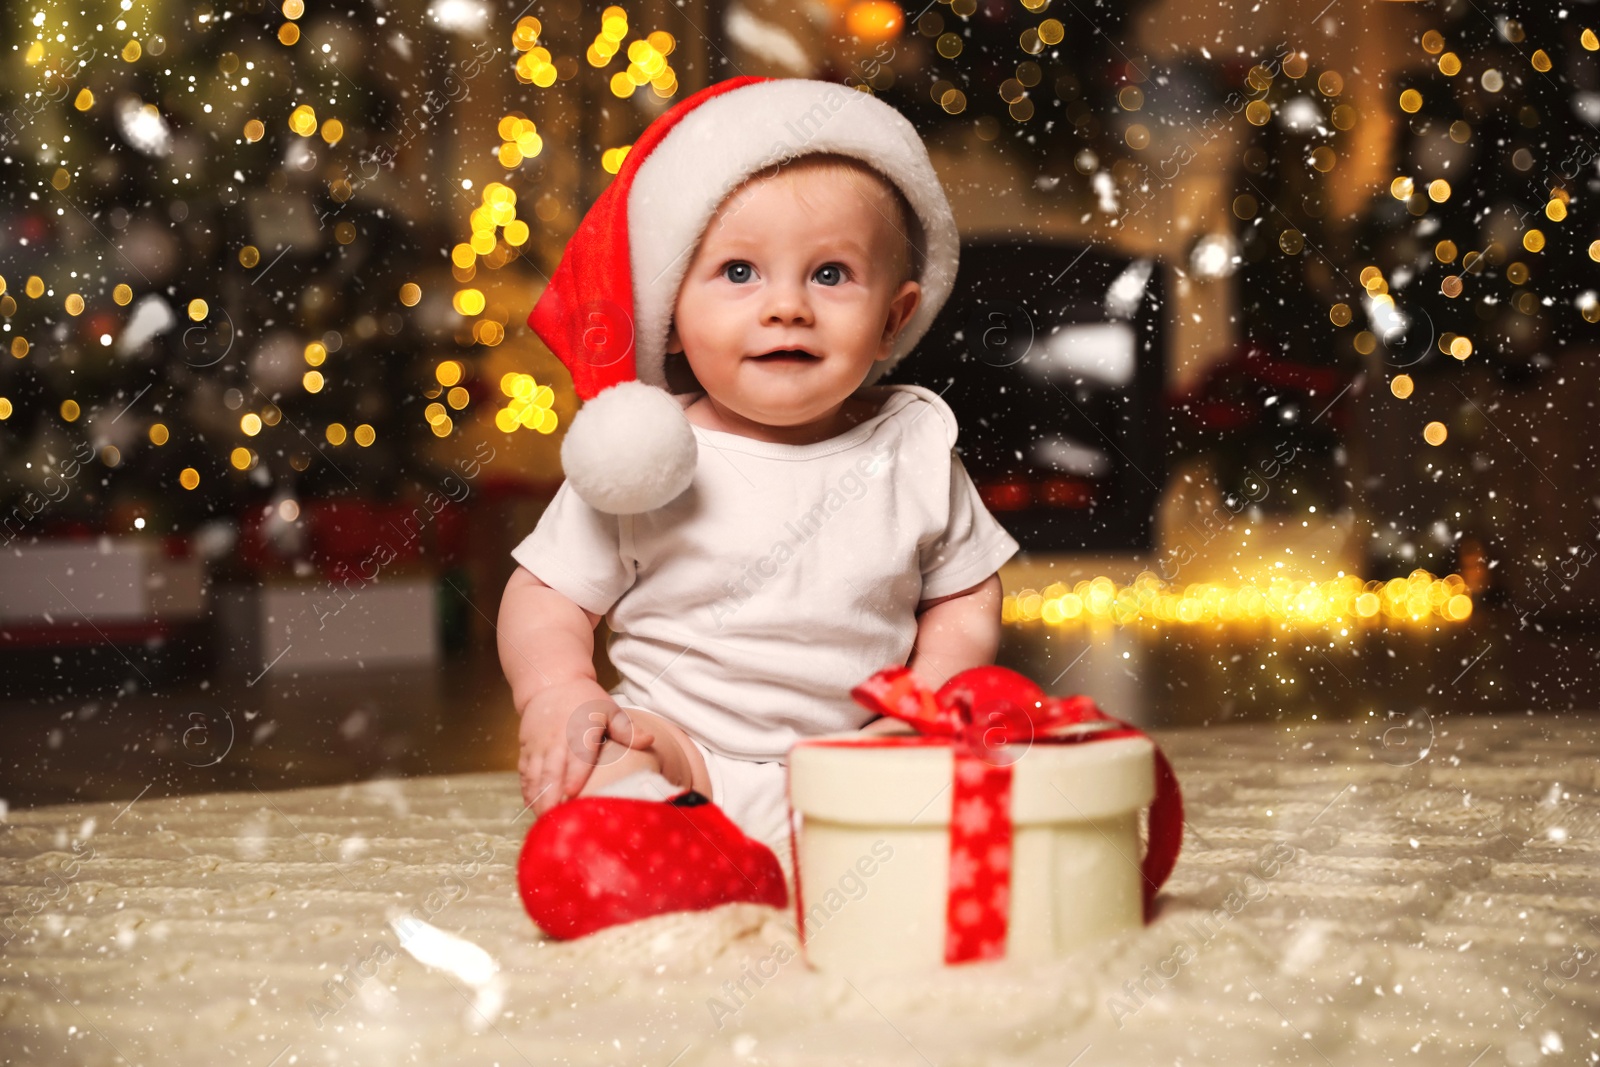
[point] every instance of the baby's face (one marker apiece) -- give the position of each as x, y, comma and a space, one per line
804, 260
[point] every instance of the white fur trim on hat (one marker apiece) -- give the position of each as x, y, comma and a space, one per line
630, 449
729, 138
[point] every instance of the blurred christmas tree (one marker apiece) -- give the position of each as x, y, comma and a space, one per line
1049, 110
1273, 413
228, 274
1476, 275
1492, 151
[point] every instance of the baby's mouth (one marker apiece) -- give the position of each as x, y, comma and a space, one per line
787, 355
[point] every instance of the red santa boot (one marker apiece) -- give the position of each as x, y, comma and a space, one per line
596, 861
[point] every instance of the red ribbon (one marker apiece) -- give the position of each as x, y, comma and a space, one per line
990, 715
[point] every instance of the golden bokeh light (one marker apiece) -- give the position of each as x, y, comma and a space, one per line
303, 120
1337, 605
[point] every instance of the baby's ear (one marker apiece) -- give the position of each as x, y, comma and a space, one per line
901, 308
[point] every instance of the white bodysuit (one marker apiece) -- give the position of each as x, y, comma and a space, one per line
746, 609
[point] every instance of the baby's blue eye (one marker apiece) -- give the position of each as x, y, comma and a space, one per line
737, 272
830, 274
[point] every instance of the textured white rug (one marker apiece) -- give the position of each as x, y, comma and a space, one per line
1443, 911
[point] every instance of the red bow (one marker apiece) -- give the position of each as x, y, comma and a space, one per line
983, 708
992, 714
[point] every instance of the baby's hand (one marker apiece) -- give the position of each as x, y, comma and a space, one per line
560, 744
888, 724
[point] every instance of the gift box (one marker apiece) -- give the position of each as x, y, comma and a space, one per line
1006, 827
315, 624
129, 580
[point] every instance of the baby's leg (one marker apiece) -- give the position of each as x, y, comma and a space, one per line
672, 754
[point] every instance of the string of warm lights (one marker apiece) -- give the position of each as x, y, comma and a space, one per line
1339, 603
647, 56
529, 403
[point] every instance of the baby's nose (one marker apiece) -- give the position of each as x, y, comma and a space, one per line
786, 303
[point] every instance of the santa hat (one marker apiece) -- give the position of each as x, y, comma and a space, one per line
607, 311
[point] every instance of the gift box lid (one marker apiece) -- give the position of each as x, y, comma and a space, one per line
903, 779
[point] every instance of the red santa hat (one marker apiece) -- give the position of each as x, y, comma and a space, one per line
607, 311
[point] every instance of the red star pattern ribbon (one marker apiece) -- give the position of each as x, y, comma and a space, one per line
990, 715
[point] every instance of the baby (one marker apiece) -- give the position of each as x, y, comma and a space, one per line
827, 530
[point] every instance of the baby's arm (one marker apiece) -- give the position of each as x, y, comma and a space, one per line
547, 653
954, 633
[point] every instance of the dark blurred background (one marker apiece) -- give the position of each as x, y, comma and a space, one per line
1274, 344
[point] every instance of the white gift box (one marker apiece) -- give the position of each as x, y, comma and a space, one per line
124, 579
314, 625
873, 847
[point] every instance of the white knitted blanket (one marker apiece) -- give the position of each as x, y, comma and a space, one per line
1443, 911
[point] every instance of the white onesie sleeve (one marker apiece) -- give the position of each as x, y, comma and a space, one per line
579, 552
972, 546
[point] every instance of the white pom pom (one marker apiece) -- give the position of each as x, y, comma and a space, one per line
630, 449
